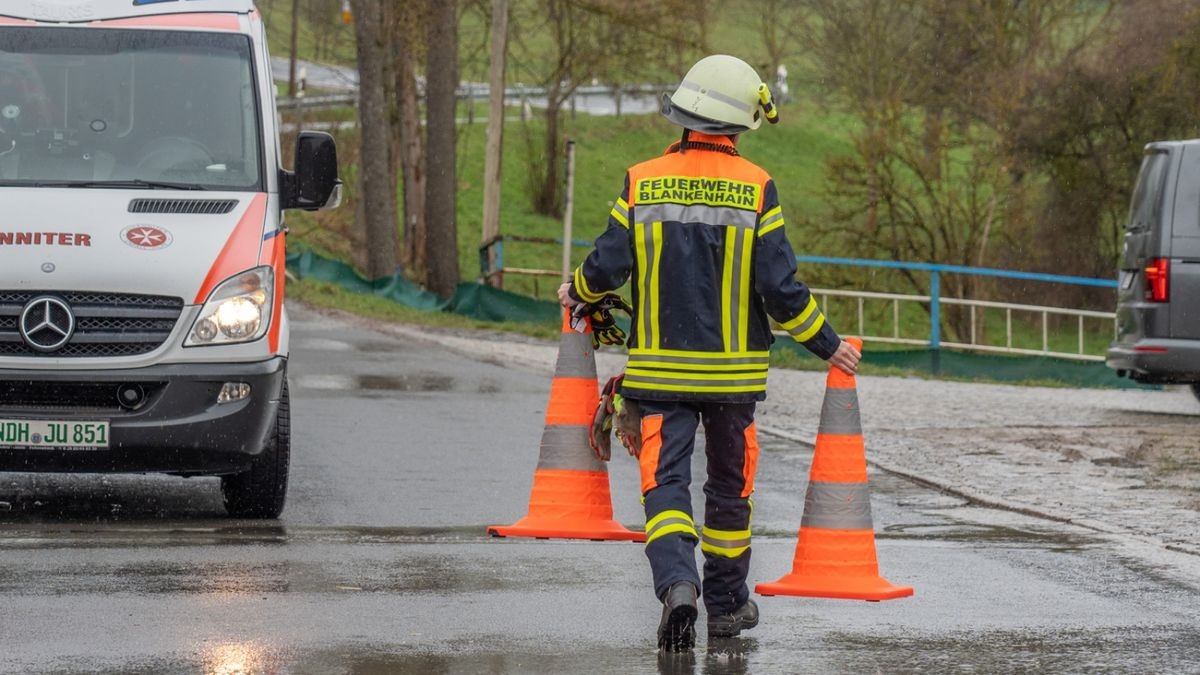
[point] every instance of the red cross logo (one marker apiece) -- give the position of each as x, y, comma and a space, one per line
146, 237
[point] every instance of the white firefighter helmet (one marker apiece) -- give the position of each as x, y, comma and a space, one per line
719, 95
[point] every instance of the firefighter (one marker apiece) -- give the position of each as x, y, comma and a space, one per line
701, 231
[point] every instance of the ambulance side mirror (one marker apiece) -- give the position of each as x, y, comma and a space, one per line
314, 185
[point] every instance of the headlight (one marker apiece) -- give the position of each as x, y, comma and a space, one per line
238, 310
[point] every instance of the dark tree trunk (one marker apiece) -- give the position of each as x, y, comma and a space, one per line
441, 81
549, 197
412, 163
378, 190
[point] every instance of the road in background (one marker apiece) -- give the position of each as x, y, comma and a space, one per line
404, 452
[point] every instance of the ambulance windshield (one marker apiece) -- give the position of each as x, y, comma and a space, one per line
90, 107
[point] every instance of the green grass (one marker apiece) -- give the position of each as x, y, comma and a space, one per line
321, 294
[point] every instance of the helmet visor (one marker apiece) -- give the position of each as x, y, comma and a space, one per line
695, 122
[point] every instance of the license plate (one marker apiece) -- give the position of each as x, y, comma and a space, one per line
52, 434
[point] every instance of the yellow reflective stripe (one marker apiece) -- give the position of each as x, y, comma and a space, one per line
813, 330
642, 372
623, 204
770, 214
808, 310
656, 236
728, 543
716, 356
581, 287
749, 368
727, 299
696, 388
619, 217
639, 247
669, 529
771, 228
726, 535
721, 551
743, 317
670, 513
668, 522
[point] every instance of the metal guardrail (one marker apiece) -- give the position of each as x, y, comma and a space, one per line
478, 91
494, 272
935, 301
895, 337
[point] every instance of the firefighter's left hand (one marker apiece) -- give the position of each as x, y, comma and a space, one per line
846, 358
564, 296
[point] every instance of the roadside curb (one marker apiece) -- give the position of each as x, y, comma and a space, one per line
989, 501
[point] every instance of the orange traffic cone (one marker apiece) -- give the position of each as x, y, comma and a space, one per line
570, 498
835, 554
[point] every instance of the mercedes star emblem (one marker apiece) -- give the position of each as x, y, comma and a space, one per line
47, 324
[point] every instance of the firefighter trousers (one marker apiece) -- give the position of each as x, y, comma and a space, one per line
731, 447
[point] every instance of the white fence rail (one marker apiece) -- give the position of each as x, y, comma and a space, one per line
977, 307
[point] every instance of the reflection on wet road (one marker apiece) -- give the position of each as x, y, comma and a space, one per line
404, 453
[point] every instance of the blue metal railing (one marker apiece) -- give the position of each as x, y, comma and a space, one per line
935, 281
489, 270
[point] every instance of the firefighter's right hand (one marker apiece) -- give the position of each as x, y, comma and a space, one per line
846, 358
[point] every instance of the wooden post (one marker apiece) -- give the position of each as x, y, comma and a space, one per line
294, 47
495, 128
568, 214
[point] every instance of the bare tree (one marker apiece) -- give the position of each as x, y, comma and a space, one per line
441, 83
615, 41
408, 22
378, 184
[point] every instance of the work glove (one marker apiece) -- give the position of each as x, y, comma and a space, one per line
605, 330
628, 422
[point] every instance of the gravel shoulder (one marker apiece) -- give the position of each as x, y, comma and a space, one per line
1123, 463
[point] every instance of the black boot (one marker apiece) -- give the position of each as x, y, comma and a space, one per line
730, 625
676, 631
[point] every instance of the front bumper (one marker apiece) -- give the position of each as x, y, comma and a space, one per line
179, 429
1157, 361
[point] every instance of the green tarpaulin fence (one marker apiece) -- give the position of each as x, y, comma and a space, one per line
486, 303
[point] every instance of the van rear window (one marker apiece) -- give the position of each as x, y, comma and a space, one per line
1146, 208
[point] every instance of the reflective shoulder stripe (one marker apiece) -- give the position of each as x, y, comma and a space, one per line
771, 220
621, 215
697, 213
581, 287
839, 413
837, 506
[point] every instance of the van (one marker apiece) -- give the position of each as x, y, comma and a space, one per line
1158, 297
142, 243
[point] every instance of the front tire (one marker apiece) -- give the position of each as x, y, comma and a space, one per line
260, 491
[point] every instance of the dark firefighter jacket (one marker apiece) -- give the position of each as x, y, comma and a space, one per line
701, 231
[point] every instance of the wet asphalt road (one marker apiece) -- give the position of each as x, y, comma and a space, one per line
403, 454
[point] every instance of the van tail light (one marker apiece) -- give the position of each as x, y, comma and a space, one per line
1157, 274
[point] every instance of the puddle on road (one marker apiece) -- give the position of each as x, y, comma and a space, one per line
1158, 649
409, 383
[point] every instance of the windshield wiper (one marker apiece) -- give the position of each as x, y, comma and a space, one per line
132, 184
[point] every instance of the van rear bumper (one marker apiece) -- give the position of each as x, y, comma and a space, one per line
179, 429
1157, 361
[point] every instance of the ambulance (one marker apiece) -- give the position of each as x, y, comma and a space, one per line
142, 200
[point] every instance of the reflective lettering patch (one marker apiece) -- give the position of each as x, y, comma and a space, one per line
693, 190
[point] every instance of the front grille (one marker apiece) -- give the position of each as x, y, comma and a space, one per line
201, 207
26, 396
106, 324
